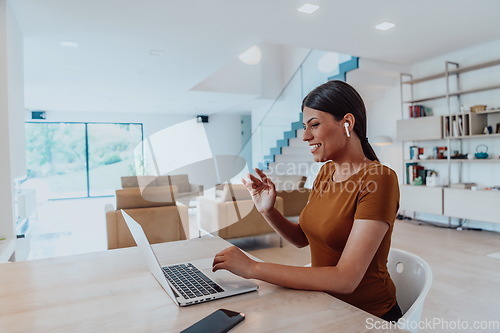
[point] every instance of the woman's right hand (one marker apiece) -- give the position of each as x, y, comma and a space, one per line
263, 191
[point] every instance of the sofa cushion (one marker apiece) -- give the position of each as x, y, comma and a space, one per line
162, 181
181, 181
239, 190
289, 182
294, 201
150, 197
138, 181
252, 223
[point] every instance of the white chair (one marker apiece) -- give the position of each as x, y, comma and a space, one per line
412, 276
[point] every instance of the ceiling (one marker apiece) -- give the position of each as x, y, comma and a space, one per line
112, 69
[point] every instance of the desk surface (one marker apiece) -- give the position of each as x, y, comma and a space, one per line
113, 291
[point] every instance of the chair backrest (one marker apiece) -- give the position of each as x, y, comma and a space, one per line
138, 181
154, 208
149, 197
181, 181
412, 276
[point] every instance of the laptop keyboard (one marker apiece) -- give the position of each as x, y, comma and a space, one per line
189, 281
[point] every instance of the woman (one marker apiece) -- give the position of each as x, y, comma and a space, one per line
349, 217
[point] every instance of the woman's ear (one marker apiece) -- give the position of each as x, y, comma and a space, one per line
349, 118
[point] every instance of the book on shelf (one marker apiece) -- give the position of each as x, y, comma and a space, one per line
414, 171
417, 111
409, 172
454, 128
460, 126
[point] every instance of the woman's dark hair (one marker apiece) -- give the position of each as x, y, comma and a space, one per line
338, 99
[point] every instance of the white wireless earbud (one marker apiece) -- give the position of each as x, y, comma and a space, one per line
346, 125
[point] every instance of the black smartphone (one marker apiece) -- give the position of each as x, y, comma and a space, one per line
219, 321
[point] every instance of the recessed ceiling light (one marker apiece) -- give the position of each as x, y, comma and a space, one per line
308, 8
252, 56
156, 53
385, 26
74, 45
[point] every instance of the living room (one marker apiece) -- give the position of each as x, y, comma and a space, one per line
96, 81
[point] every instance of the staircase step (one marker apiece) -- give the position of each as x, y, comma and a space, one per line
275, 151
282, 143
297, 142
344, 68
290, 134
297, 125
292, 158
292, 168
302, 149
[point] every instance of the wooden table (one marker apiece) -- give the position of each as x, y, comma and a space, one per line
113, 291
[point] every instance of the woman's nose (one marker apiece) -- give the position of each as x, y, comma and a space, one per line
306, 136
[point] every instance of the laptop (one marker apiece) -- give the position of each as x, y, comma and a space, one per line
189, 283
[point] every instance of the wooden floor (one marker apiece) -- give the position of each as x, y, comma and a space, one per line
466, 282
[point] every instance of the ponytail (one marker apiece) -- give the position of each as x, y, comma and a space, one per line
368, 150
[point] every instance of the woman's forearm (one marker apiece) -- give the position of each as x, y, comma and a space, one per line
327, 279
285, 228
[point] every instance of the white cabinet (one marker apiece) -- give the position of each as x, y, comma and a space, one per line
473, 205
423, 199
424, 128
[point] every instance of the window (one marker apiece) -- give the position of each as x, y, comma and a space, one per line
71, 160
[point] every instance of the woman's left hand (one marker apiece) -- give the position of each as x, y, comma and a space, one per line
235, 261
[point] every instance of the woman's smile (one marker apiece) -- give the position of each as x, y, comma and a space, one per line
314, 147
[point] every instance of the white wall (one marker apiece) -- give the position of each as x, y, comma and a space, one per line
16, 96
12, 147
381, 115
224, 133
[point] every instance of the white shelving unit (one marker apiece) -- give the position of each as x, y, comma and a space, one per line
451, 129
445, 161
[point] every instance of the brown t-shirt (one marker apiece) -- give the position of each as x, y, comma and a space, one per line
327, 220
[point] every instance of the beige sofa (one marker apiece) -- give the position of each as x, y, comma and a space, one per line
185, 190
154, 209
228, 218
291, 189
